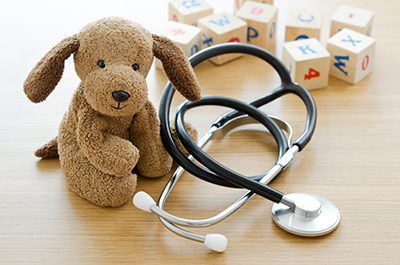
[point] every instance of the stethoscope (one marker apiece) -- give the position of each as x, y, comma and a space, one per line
298, 213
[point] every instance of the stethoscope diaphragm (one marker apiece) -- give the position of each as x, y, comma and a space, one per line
311, 216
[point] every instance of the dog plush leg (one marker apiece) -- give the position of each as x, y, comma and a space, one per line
87, 181
48, 150
109, 153
95, 186
145, 135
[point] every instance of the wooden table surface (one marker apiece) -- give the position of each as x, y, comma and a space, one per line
352, 160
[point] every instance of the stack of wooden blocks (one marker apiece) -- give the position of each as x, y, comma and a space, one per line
348, 55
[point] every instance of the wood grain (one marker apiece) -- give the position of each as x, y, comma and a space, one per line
352, 159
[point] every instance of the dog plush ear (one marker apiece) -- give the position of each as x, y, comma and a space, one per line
46, 74
176, 67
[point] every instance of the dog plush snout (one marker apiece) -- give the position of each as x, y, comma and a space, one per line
120, 96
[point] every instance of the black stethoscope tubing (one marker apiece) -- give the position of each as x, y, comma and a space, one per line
222, 171
229, 177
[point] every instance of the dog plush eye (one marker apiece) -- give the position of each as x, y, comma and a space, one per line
101, 64
135, 66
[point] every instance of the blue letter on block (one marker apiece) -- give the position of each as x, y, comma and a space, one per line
221, 22
339, 63
194, 49
368, 31
189, 4
301, 37
207, 41
305, 48
272, 30
352, 41
299, 17
290, 68
254, 35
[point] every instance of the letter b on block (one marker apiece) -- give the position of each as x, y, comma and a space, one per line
308, 62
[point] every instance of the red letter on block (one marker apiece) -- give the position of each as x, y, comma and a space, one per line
365, 62
256, 11
234, 40
311, 74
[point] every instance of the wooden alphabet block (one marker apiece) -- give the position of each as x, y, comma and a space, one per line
352, 55
308, 62
353, 18
261, 23
186, 36
188, 11
238, 3
303, 24
220, 28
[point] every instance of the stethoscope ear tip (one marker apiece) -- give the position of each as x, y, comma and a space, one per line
143, 201
216, 242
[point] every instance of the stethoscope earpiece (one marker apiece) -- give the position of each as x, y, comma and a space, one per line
216, 242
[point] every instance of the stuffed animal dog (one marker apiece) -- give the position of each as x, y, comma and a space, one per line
111, 127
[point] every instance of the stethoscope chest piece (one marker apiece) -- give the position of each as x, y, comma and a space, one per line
311, 216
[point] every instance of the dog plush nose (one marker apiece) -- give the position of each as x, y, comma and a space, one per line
120, 96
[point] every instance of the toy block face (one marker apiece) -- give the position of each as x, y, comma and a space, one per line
221, 28
238, 3
308, 62
186, 36
188, 11
261, 24
303, 24
352, 55
357, 19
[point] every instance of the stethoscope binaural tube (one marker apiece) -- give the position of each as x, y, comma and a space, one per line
287, 87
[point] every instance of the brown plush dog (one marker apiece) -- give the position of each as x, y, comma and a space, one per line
111, 127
